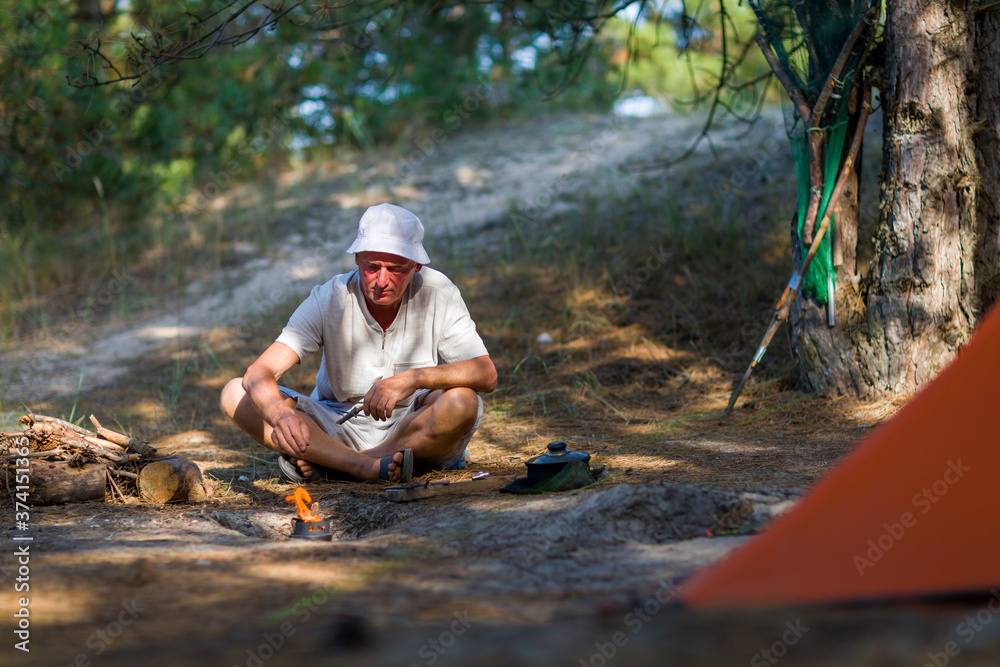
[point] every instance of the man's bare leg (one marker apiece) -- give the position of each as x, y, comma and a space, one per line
323, 448
434, 430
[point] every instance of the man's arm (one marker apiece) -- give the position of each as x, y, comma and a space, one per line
478, 374
260, 382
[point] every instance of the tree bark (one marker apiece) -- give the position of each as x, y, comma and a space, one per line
934, 269
986, 137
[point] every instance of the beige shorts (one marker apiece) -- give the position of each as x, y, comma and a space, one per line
362, 432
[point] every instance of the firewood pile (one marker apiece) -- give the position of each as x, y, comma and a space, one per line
66, 463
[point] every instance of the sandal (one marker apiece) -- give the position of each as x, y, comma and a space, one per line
292, 473
405, 475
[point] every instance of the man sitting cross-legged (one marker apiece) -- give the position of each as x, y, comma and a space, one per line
397, 341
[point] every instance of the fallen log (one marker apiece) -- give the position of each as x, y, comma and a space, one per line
73, 457
171, 479
58, 482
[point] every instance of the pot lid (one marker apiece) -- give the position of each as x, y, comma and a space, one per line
558, 454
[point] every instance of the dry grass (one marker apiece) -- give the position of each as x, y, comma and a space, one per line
655, 302
643, 356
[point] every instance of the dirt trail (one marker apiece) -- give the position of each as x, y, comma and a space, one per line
457, 186
567, 580
574, 579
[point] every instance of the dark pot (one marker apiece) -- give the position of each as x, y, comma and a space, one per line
550, 464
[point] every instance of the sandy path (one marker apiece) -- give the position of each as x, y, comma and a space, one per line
457, 185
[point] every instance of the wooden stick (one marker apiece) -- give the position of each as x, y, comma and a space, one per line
31, 419
816, 149
103, 444
131, 444
813, 117
838, 67
417, 490
98, 450
113, 485
788, 295
816, 136
58, 433
785, 303
37, 455
127, 458
108, 434
796, 95
815, 139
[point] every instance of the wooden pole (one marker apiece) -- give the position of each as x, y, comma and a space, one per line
796, 95
816, 140
788, 295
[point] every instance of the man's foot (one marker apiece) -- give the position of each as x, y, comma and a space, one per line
299, 471
397, 468
305, 468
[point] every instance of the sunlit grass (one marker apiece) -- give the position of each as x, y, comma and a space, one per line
645, 291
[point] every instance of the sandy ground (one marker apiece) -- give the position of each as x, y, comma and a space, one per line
465, 183
585, 578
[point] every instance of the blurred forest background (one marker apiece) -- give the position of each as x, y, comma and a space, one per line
101, 175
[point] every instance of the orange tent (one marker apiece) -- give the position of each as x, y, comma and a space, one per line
912, 511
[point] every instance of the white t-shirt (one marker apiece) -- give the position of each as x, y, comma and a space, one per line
433, 326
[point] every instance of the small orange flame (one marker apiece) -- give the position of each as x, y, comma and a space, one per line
301, 498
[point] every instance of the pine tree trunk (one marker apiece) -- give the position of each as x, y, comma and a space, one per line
987, 141
936, 247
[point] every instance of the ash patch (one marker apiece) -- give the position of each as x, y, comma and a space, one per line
653, 514
352, 516
625, 538
625, 514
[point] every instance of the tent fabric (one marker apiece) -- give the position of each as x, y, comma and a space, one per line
911, 512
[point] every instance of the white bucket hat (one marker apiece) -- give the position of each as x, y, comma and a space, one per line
392, 229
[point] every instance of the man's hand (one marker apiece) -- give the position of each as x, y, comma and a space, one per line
290, 435
479, 374
386, 393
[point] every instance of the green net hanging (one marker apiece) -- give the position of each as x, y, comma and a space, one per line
807, 37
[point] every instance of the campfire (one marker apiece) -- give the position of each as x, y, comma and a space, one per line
301, 498
308, 524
